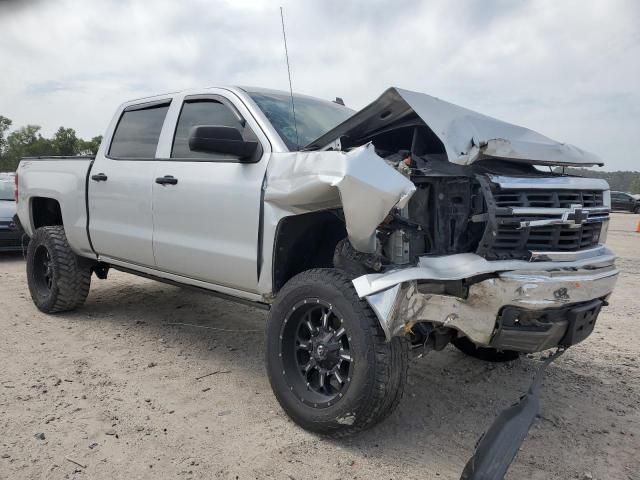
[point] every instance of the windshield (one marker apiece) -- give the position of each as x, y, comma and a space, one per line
6, 190
314, 117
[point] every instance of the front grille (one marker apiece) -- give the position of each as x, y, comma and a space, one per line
551, 238
578, 216
548, 199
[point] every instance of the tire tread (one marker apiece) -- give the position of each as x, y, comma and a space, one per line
72, 276
384, 390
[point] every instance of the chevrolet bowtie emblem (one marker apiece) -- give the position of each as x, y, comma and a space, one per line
575, 213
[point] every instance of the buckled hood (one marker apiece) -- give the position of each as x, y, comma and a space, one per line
467, 136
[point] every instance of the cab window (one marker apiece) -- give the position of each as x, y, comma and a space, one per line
138, 131
205, 112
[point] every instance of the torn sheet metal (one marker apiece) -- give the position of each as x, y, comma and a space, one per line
359, 181
467, 265
467, 136
401, 305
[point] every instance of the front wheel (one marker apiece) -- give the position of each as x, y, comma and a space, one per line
328, 361
58, 279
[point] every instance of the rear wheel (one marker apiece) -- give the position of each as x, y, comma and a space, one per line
484, 353
328, 361
58, 279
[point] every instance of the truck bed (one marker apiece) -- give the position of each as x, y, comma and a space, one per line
65, 180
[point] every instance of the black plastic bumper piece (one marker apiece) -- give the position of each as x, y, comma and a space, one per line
536, 330
582, 321
499, 445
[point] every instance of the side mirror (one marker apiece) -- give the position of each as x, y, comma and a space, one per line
219, 139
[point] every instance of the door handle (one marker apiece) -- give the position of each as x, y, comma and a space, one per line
167, 180
100, 177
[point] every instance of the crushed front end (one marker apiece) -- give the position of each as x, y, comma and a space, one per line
494, 243
512, 263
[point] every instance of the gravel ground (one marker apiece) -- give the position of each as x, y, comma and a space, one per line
114, 391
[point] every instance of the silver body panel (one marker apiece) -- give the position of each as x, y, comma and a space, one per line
551, 183
120, 210
206, 226
252, 297
63, 181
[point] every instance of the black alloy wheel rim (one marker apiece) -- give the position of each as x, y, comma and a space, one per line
316, 354
43, 270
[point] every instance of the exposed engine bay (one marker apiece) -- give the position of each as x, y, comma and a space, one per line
458, 208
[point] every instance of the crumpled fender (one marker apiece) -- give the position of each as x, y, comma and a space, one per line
358, 181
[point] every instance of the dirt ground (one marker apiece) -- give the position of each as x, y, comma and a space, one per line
112, 391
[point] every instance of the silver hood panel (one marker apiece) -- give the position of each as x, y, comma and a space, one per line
467, 136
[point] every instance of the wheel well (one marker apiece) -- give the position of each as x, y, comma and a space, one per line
45, 212
304, 242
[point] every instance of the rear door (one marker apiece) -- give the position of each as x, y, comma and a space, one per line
120, 185
206, 221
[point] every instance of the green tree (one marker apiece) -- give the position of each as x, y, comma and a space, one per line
5, 123
65, 142
29, 142
25, 142
89, 147
635, 185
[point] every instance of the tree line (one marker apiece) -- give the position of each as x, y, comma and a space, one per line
27, 141
622, 181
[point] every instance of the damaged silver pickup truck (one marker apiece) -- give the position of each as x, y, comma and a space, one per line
371, 236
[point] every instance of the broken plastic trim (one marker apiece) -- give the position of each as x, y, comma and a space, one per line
498, 446
398, 304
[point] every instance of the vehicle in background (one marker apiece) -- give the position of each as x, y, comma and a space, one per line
625, 201
371, 236
10, 233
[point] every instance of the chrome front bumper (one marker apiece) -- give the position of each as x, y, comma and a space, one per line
533, 286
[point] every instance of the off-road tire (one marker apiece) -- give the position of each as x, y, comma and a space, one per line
67, 286
467, 347
379, 371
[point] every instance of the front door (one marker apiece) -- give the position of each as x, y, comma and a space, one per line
206, 207
120, 186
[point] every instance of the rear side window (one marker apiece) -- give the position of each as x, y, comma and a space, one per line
204, 112
138, 131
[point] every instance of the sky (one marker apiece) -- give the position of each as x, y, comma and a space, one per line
568, 69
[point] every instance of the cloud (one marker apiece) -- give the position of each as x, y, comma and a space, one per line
567, 69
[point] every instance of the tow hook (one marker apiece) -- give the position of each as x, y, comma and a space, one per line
425, 338
498, 446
